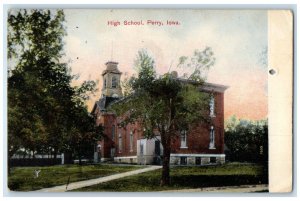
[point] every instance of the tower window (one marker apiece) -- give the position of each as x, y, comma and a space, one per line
114, 82
104, 83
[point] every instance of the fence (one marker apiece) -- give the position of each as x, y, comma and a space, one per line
34, 162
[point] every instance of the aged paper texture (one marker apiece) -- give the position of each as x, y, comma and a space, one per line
280, 27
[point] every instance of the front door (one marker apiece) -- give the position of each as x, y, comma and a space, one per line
157, 148
157, 158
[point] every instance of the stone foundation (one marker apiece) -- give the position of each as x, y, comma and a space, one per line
129, 159
197, 159
176, 159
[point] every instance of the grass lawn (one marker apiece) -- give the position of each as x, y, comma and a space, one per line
22, 178
231, 174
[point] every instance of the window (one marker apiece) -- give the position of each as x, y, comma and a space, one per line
212, 107
113, 132
183, 160
105, 83
114, 82
112, 152
212, 138
198, 160
213, 159
183, 139
131, 141
120, 142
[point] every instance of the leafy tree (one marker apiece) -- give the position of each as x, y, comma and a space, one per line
247, 140
166, 103
38, 83
42, 104
84, 132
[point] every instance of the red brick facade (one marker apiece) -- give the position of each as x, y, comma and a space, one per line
135, 149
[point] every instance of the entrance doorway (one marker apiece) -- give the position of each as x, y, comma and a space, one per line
157, 158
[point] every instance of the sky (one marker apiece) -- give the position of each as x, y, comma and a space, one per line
238, 39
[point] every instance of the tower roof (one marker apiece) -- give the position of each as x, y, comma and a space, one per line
111, 67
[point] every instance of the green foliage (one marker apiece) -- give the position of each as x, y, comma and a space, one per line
166, 104
43, 108
247, 140
200, 63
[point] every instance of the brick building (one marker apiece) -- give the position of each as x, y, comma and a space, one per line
200, 145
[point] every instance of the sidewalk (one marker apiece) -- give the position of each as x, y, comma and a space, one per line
81, 184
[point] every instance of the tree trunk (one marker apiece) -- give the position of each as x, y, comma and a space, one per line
80, 163
165, 177
55, 154
79, 156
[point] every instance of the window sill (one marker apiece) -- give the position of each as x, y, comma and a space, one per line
183, 147
212, 147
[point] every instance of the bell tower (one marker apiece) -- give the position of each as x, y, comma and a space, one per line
111, 80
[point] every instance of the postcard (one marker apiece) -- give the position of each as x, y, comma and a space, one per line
149, 100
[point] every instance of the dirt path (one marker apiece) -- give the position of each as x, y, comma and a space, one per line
81, 184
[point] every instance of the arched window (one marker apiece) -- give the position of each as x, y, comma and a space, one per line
114, 82
212, 138
131, 141
113, 132
183, 139
120, 142
212, 107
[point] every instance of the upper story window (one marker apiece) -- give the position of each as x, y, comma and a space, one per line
183, 139
212, 138
114, 82
131, 141
105, 83
113, 132
212, 107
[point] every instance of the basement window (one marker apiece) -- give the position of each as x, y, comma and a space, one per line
198, 160
213, 159
183, 160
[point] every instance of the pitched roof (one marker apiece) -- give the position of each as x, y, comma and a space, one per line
103, 102
207, 86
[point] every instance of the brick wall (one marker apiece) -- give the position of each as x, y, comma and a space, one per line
198, 138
